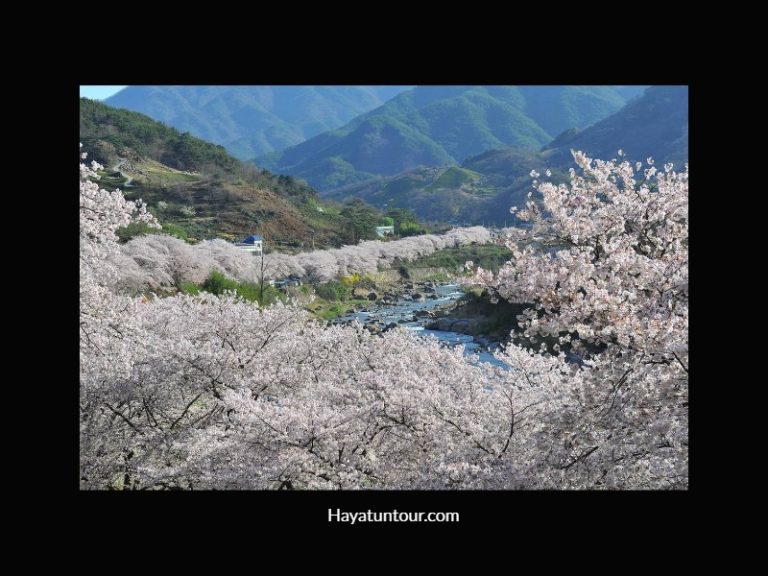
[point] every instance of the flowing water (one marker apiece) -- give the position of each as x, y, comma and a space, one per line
403, 313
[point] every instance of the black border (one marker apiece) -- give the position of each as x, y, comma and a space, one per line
537, 512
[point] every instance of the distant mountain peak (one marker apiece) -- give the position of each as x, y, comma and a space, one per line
487, 185
253, 120
437, 125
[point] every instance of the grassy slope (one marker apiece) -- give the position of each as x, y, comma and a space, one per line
197, 185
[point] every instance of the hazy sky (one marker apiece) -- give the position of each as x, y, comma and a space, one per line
98, 92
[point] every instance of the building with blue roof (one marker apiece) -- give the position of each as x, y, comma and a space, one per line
252, 243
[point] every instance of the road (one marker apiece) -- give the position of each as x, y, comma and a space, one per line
116, 168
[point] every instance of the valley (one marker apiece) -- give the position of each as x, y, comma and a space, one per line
389, 288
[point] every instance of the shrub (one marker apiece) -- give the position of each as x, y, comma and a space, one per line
190, 288
135, 229
333, 291
175, 231
410, 229
217, 283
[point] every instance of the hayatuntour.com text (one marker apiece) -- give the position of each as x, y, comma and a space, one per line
394, 516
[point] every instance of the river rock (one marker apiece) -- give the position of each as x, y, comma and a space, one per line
417, 297
484, 342
460, 326
373, 327
360, 293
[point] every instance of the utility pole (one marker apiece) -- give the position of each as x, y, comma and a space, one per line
261, 274
261, 277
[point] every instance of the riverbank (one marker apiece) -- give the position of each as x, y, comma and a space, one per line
475, 315
387, 301
332, 300
402, 298
409, 279
418, 306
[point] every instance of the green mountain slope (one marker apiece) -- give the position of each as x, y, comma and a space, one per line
253, 120
434, 125
195, 188
654, 125
557, 108
485, 186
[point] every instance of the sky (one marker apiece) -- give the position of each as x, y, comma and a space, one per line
98, 92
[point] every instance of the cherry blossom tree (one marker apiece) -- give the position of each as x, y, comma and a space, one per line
193, 392
604, 266
156, 261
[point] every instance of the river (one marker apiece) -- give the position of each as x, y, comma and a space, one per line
402, 313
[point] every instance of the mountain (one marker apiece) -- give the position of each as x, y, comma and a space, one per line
195, 188
253, 120
630, 92
477, 192
485, 186
438, 125
655, 125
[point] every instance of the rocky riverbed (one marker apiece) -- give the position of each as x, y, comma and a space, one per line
418, 306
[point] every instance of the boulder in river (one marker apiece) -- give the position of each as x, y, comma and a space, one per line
360, 293
460, 326
373, 327
441, 324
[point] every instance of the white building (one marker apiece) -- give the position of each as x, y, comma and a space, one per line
251, 244
384, 230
